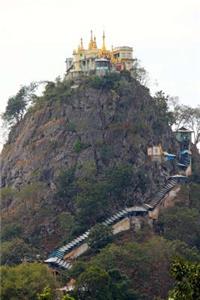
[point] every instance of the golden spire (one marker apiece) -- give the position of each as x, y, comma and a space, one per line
91, 41
95, 43
104, 44
91, 34
81, 45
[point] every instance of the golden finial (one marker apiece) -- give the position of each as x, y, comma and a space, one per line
81, 45
104, 44
95, 43
91, 40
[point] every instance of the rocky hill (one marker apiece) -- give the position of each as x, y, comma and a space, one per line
81, 149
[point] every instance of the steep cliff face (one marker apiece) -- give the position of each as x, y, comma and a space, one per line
69, 133
89, 128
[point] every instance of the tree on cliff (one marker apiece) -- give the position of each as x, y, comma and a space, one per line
16, 106
100, 235
187, 276
187, 116
139, 72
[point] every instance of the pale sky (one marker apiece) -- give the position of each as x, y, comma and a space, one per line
37, 35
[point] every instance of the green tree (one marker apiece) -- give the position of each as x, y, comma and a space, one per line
107, 82
79, 146
139, 73
94, 283
50, 90
181, 223
119, 179
15, 251
145, 264
96, 199
120, 286
187, 116
66, 221
10, 231
99, 236
163, 116
46, 294
17, 104
195, 195
92, 202
77, 268
59, 91
25, 281
187, 280
7, 196
30, 196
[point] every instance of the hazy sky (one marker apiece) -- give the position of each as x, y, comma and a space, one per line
37, 35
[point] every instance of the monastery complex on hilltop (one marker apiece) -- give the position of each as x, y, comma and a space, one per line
94, 60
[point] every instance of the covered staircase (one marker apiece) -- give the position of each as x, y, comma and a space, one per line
56, 258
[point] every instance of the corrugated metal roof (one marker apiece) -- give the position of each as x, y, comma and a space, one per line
136, 208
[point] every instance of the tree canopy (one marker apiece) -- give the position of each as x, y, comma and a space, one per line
17, 104
139, 72
99, 284
15, 251
99, 236
145, 265
46, 294
187, 280
25, 281
187, 116
181, 223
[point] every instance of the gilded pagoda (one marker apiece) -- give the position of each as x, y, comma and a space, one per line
98, 60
